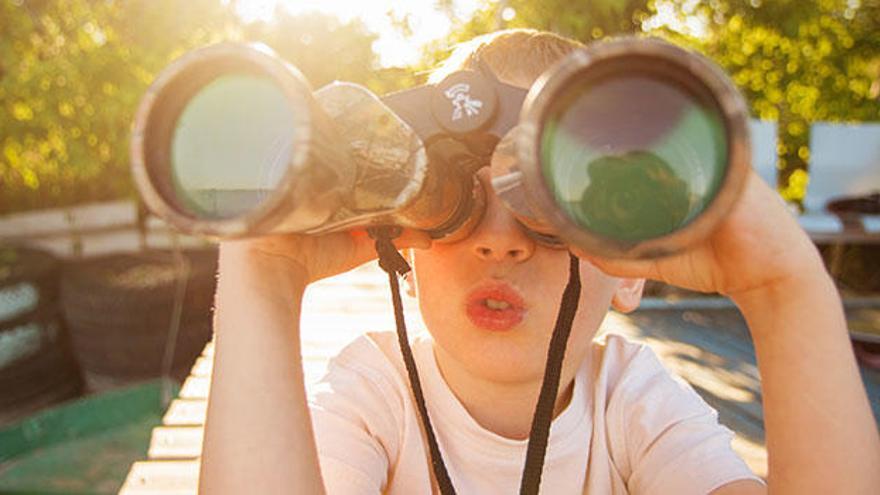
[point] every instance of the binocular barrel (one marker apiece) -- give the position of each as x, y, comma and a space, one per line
230, 141
634, 148
627, 148
221, 133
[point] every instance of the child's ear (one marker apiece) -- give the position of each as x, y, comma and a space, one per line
628, 294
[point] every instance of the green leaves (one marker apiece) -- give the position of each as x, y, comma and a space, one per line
69, 86
72, 73
797, 62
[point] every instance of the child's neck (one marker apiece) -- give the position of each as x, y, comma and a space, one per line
505, 409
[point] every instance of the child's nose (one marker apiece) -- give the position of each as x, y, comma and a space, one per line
499, 237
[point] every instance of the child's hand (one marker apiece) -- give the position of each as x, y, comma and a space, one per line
757, 246
313, 257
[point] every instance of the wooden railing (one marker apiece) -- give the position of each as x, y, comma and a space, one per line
91, 230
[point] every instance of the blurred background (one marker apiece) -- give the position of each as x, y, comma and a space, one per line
100, 300
72, 71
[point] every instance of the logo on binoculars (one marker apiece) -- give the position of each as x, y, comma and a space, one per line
462, 102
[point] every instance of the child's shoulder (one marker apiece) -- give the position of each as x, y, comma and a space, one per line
631, 375
366, 378
379, 345
613, 351
376, 356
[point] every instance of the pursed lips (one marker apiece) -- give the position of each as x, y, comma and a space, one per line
495, 306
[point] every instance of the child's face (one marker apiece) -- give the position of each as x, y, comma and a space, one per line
490, 301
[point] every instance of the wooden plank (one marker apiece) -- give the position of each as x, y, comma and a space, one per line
90, 217
208, 351
195, 387
61, 247
754, 454
156, 223
185, 412
710, 360
719, 333
162, 478
92, 230
166, 239
122, 241
177, 442
202, 367
715, 383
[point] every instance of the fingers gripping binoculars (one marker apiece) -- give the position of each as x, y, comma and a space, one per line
627, 148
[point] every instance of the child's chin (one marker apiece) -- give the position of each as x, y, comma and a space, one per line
515, 373
511, 366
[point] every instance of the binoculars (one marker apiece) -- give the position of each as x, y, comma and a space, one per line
627, 148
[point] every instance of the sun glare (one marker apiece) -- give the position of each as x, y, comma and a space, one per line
427, 23
667, 15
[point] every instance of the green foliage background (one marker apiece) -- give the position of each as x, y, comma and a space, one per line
796, 61
72, 71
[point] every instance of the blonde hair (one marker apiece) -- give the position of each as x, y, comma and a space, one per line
516, 56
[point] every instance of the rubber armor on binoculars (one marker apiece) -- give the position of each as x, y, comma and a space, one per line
627, 148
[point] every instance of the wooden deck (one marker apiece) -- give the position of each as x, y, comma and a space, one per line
711, 349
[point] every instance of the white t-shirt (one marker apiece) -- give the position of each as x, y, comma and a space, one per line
630, 428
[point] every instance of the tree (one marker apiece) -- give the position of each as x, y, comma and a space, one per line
585, 21
71, 74
311, 39
797, 62
73, 71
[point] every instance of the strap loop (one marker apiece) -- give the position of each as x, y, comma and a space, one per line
390, 260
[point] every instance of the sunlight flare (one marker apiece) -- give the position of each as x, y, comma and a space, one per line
423, 20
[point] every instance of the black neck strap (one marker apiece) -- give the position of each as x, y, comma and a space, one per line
394, 264
531, 479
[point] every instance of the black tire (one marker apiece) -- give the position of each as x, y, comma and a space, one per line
37, 368
28, 291
141, 278
119, 309
25, 264
40, 379
141, 357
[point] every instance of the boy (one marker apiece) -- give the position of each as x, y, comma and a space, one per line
622, 424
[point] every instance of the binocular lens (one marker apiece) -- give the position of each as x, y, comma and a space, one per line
231, 146
633, 156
